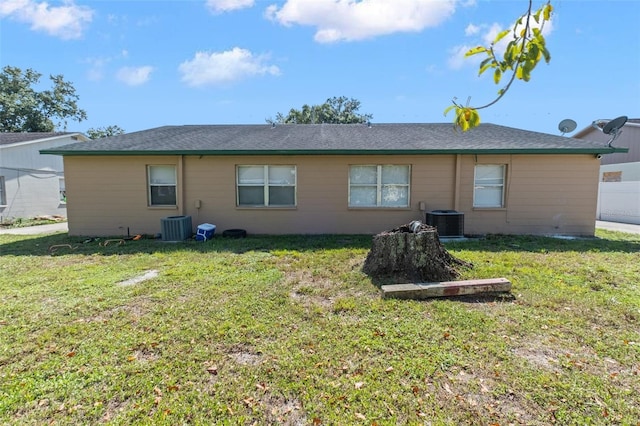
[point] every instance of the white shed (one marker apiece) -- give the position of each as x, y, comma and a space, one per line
32, 184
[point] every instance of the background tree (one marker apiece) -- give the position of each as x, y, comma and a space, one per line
23, 109
521, 56
336, 110
104, 132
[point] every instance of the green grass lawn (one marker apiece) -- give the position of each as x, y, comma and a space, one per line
288, 330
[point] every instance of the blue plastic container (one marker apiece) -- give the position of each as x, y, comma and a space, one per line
205, 232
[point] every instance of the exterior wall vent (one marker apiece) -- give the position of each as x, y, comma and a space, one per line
449, 223
176, 228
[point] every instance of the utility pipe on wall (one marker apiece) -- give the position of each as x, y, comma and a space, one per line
181, 209
456, 184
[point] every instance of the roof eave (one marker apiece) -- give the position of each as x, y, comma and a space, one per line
603, 150
76, 136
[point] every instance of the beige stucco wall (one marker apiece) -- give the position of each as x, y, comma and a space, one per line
545, 194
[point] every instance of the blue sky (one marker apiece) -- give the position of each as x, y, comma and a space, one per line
142, 64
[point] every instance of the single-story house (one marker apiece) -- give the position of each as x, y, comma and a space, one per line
32, 184
332, 178
619, 193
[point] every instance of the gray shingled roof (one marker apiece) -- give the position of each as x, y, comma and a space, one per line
17, 137
7, 138
307, 139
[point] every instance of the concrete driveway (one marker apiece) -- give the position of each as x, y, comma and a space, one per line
620, 227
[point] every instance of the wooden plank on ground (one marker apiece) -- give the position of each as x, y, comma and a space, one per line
444, 289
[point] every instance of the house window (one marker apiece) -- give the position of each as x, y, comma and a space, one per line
612, 176
488, 188
3, 192
379, 186
162, 185
266, 186
62, 191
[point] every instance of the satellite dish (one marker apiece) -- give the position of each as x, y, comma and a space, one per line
567, 125
614, 128
614, 125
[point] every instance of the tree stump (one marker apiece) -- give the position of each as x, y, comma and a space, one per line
411, 253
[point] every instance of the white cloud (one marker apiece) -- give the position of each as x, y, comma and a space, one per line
96, 67
471, 30
490, 33
98, 64
224, 67
456, 56
348, 20
134, 76
67, 21
221, 6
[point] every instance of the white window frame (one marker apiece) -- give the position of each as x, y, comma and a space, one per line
151, 184
62, 189
266, 185
380, 187
3, 192
480, 184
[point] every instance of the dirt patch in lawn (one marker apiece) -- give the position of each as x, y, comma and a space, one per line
539, 356
134, 311
483, 395
277, 409
113, 408
245, 358
243, 355
310, 290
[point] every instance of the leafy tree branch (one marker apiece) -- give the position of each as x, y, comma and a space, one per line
23, 109
336, 110
521, 56
104, 132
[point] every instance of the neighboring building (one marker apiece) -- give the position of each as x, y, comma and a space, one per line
332, 178
619, 192
32, 184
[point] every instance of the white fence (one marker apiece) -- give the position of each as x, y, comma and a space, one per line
619, 202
